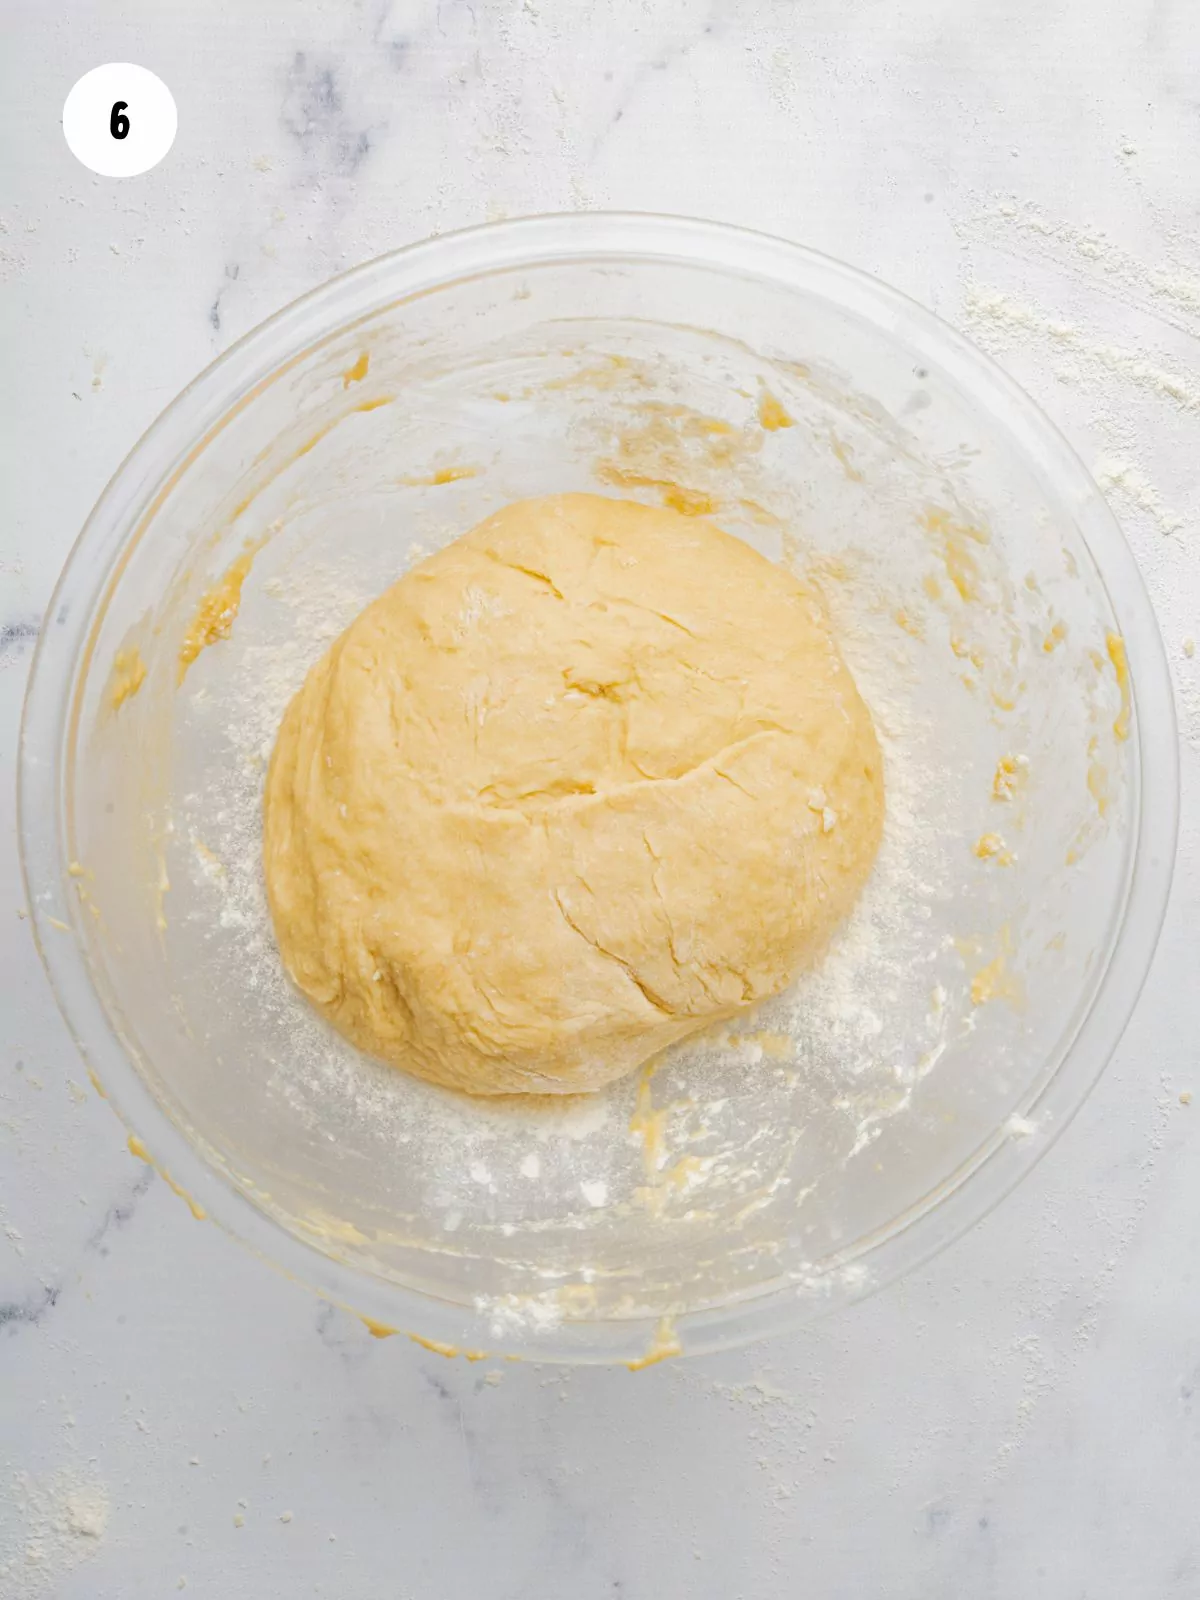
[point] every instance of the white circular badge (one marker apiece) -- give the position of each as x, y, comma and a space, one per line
120, 120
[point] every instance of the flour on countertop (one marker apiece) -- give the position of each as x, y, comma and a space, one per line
1142, 395
48, 1527
1124, 478
989, 312
1168, 289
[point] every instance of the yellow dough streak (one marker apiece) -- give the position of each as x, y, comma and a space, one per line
129, 673
217, 611
1116, 654
591, 777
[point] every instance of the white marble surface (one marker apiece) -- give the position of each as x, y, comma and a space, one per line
1022, 1418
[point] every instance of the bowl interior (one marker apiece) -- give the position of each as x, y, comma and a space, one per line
771, 1156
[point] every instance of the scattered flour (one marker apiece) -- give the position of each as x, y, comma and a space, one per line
1140, 385
1168, 290
1021, 1127
516, 1316
989, 312
1124, 478
48, 1527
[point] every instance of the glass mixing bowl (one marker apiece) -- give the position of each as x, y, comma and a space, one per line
986, 602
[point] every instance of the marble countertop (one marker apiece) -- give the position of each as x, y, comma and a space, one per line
1022, 1417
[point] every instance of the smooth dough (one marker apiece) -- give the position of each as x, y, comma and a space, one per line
589, 778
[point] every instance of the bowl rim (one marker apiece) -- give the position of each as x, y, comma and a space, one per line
124, 511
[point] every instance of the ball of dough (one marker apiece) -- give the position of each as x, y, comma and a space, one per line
588, 779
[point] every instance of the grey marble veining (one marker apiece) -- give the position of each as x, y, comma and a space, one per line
1019, 1419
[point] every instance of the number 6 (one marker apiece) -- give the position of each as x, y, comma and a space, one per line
118, 122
